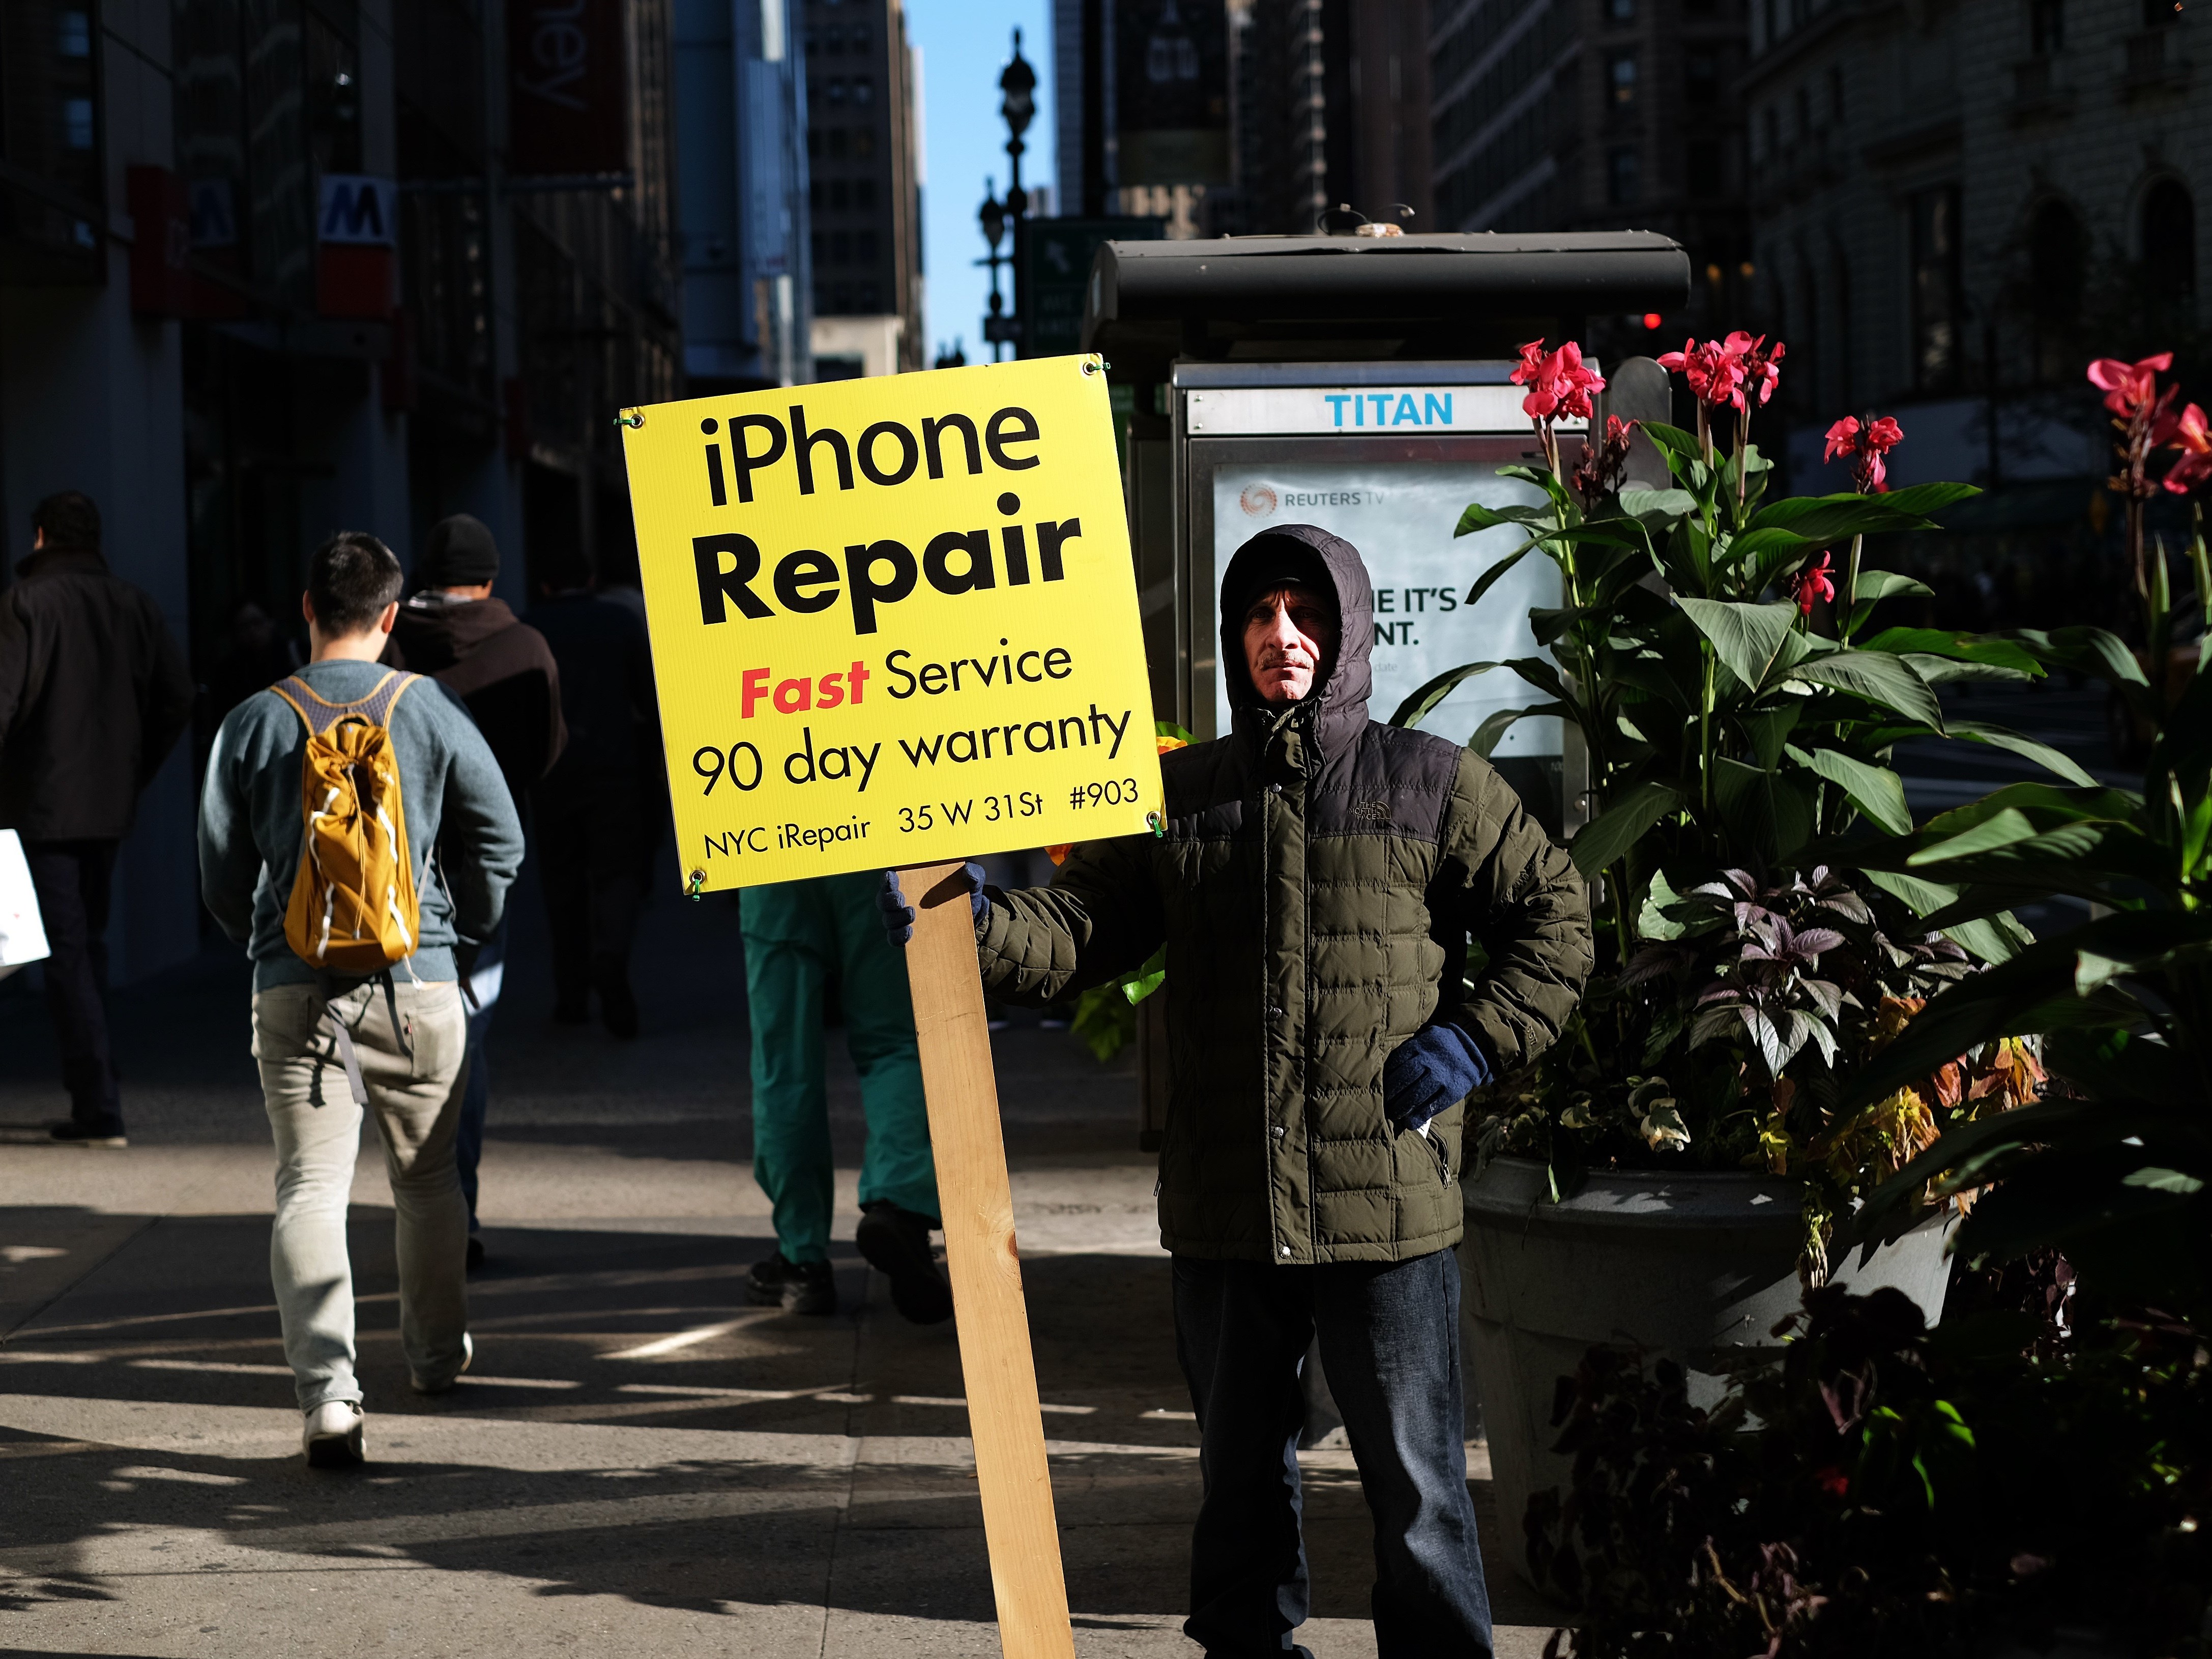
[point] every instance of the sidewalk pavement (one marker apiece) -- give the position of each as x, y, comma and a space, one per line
640, 1462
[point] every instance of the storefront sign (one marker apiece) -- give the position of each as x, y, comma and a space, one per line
893, 620
566, 109
1363, 411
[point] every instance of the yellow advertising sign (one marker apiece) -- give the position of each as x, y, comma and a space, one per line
894, 620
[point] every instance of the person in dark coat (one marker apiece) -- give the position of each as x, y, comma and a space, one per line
477, 647
94, 694
598, 812
1316, 881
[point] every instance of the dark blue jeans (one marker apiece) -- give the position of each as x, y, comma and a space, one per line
1390, 1345
476, 1097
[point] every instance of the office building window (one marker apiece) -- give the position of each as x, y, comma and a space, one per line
841, 247
863, 89
1706, 167
1624, 174
2169, 242
864, 193
839, 193
2046, 27
1936, 300
1621, 78
871, 297
864, 247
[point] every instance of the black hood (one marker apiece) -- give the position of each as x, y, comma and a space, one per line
1336, 711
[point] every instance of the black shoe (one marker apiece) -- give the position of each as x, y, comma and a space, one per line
476, 1253
896, 1244
71, 1132
797, 1287
618, 1008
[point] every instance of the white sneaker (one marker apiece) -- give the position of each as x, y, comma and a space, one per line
421, 1385
333, 1436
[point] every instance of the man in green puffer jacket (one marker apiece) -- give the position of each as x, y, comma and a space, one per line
1320, 877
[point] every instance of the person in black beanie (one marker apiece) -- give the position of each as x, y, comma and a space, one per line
454, 630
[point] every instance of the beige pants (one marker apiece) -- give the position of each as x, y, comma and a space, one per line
415, 1073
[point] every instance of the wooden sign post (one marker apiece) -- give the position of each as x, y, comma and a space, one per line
978, 1207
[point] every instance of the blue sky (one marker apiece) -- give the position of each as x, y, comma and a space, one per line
964, 44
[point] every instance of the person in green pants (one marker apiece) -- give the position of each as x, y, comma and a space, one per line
797, 933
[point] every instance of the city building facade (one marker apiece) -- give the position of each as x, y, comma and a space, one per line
742, 194
1955, 206
268, 271
1596, 115
864, 188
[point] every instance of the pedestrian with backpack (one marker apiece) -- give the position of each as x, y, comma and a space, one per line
324, 797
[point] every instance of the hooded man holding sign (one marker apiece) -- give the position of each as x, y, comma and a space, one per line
1318, 884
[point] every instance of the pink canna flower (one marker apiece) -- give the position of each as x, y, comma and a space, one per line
2193, 439
1812, 582
2130, 388
1557, 382
1712, 372
1866, 445
1759, 366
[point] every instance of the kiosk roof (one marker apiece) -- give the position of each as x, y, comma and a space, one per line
1441, 296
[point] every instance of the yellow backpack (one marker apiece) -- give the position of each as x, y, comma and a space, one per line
353, 908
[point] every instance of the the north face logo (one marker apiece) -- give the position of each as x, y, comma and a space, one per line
1375, 811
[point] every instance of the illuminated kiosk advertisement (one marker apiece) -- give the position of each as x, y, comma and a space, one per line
1387, 456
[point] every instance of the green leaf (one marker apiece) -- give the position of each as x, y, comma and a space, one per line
1987, 939
1747, 637
2042, 754
1875, 791
1673, 441
1770, 811
1494, 725
1961, 647
1658, 507
1769, 729
2090, 651
1752, 544
2003, 828
1877, 676
1876, 585
1622, 824
1422, 702
2162, 1180
1489, 577
1477, 517
1923, 897
1918, 501
1147, 979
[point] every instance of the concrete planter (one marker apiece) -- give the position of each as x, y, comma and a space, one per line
1689, 1266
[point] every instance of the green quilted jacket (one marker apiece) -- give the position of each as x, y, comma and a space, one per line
1317, 887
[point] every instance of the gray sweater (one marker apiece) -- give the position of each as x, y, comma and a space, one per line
449, 784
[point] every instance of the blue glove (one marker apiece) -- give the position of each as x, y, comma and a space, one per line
898, 915
1437, 1068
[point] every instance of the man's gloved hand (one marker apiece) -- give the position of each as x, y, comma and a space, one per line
1437, 1067
898, 915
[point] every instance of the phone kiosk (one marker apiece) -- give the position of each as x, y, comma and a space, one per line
1358, 383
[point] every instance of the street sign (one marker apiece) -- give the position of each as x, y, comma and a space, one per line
1054, 258
893, 621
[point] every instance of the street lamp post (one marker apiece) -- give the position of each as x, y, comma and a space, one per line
992, 215
1018, 107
